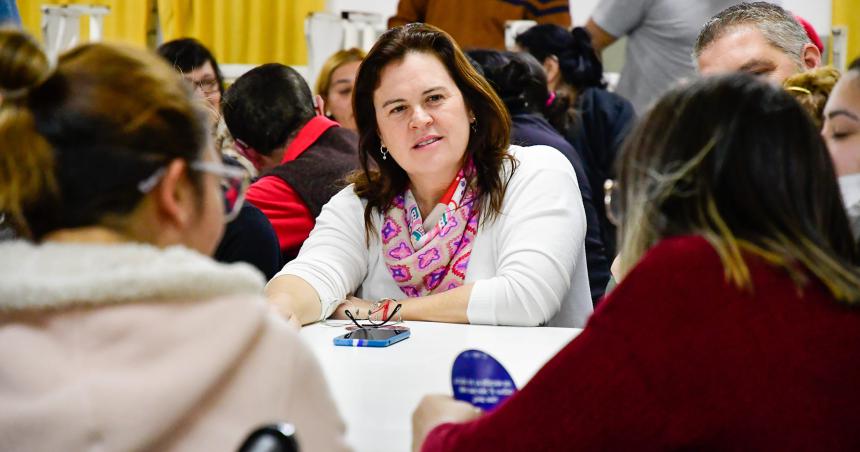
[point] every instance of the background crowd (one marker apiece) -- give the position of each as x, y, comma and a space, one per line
700, 223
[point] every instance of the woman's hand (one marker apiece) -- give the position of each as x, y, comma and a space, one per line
355, 305
437, 409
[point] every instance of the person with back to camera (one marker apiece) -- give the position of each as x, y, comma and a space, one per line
336, 83
249, 237
303, 156
117, 331
452, 221
520, 81
22, 64
842, 133
591, 118
736, 324
811, 89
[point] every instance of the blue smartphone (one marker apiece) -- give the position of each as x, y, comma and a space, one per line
373, 337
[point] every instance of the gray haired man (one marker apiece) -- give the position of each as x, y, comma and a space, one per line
759, 38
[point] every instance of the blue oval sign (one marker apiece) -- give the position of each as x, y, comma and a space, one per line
479, 379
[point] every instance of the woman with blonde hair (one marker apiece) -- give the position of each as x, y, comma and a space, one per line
118, 331
336, 82
736, 325
812, 88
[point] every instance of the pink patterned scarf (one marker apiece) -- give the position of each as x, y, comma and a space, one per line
422, 262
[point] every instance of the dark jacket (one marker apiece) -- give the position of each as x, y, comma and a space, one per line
532, 129
604, 119
250, 238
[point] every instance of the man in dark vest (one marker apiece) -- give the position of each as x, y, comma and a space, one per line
303, 157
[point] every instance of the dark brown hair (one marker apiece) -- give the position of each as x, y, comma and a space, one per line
22, 62
488, 143
82, 140
188, 54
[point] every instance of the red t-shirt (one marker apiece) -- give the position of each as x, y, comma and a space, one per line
289, 215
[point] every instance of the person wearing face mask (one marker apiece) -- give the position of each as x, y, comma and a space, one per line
842, 133
118, 331
445, 215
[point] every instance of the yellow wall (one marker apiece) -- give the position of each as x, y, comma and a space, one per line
127, 21
242, 31
236, 31
847, 13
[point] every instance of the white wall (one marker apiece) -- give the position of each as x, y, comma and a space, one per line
386, 8
818, 12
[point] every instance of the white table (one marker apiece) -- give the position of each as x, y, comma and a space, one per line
376, 389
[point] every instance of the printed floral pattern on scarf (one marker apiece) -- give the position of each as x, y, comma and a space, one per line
426, 262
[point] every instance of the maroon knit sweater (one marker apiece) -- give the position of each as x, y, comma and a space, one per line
677, 358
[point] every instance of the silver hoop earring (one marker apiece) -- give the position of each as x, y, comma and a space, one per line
383, 151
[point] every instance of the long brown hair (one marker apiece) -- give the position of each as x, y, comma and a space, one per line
488, 143
81, 139
737, 161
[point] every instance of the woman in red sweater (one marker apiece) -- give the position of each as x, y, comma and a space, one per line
737, 323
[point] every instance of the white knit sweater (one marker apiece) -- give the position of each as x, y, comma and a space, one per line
528, 265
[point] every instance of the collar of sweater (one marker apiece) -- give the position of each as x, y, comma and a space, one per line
56, 275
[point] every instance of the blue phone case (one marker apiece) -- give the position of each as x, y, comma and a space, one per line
349, 342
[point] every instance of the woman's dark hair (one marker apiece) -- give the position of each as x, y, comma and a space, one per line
488, 142
578, 63
518, 78
188, 54
737, 161
855, 65
80, 142
267, 105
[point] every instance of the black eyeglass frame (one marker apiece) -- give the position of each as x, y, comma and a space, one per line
371, 323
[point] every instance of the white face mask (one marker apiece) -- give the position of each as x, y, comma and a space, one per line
850, 187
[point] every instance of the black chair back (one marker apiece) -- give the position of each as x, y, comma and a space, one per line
272, 438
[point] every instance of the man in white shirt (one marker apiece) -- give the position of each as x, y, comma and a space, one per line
660, 36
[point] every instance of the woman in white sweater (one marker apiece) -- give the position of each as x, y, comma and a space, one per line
448, 218
117, 330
